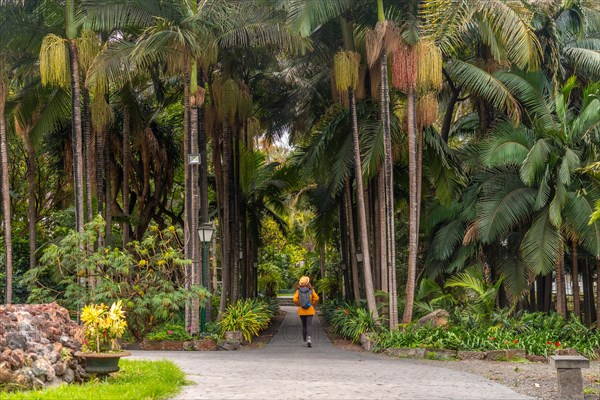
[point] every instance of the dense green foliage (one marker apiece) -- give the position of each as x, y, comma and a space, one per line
248, 316
136, 380
148, 278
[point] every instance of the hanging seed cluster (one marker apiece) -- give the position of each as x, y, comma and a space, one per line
88, 46
427, 109
429, 64
54, 62
346, 70
404, 67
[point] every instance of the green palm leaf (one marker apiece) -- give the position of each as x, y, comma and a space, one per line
505, 203
585, 61
480, 83
535, 163
577, 212
507, 145
541, 244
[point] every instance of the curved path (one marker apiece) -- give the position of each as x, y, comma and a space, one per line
285, 369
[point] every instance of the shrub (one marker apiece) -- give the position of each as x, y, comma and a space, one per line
169, 332
149, 276
248, 316
349, 321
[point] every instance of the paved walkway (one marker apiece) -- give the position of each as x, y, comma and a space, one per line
285, 369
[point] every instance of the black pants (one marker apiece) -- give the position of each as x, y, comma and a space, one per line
306, 326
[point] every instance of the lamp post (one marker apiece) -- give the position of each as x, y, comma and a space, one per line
359, 256
205, 231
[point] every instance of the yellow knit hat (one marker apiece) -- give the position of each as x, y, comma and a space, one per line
304, 281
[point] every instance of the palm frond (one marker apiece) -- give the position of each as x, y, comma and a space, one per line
585, 61
480, 83
541, 245
507, 145
505, 203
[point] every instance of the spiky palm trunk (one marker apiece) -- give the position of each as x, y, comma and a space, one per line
193, 228
362, 216
108, 213
31, 200
5, 193
126, 167
413, 212
88, 146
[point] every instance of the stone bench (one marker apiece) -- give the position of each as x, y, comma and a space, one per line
570, 380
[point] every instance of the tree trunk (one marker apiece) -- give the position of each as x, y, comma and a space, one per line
204, 200
389, 194
413, 236
561, 305
587, 291
547, 293
126, 157
362, 217
598, 293
108, 213
382, 232
6, 193
226, 221
344, 245
77, 136
31, 203
100, 177
447, 123
88, 161
352, 241
575, 275
194, 211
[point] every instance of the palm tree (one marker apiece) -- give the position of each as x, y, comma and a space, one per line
5, 187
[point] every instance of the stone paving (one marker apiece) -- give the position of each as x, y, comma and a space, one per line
286, 369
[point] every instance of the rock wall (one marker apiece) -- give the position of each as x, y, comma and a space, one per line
37, 342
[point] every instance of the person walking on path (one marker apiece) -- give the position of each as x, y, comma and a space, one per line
306, 298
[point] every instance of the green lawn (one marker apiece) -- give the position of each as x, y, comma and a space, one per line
136, 380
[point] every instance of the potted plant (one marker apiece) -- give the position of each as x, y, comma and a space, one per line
103, 326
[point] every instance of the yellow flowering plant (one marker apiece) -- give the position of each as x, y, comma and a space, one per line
103, 326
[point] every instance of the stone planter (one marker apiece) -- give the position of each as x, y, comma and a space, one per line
101, 364
233, 336
441, 354
405, 352
366, 340
471, 355
204, 344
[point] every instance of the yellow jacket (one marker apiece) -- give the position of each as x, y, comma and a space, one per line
314, 298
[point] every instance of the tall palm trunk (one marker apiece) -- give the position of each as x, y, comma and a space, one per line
227, 220
193, 192
5, 193
382, 226
108, 212
561, 305
389, 192
204, 199
362, 216
352, 241
598, 293
575, 275
100, 135
88, 146
31, 206
125, 186
413, 239
77, 135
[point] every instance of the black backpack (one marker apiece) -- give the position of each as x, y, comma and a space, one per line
304, 296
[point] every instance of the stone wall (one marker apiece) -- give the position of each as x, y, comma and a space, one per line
37, 342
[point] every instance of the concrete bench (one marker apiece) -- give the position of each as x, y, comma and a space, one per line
570, 380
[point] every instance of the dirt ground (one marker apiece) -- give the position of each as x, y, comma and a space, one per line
532, 379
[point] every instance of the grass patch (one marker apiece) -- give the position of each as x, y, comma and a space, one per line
136, 380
